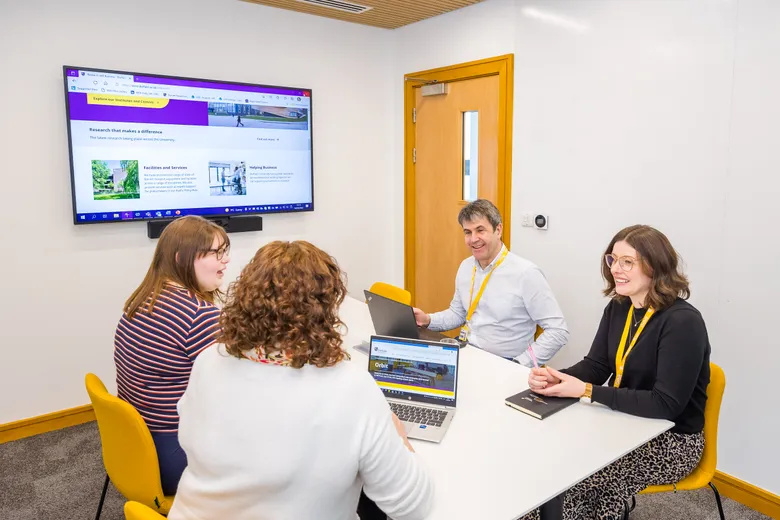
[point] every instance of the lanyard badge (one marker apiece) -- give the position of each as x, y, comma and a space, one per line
464, 331
620, 358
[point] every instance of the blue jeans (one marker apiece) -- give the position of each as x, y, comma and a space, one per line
172, 460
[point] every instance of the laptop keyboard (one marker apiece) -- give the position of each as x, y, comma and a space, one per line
419, 415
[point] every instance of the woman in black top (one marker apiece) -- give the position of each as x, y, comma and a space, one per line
652, 351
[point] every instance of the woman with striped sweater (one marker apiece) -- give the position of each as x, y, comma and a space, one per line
170, 319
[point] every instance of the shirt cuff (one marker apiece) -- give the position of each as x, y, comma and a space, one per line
525, 360
434, 325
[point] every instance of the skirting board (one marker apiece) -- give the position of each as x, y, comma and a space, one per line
739, 490
748, 494
46, 423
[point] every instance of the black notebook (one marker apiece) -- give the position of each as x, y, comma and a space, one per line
538, 406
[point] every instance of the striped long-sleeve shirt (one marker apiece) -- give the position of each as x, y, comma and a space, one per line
154, 353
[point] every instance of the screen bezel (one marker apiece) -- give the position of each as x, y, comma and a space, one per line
186, 78
410, 396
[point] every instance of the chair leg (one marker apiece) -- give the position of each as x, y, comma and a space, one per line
717, 499
102, 498
633, 504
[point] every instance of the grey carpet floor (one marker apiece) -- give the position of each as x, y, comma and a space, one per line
59, 476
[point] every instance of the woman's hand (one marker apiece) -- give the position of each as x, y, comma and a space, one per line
541, 378
569, 386
401, 429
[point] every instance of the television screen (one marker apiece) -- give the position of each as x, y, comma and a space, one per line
145, 147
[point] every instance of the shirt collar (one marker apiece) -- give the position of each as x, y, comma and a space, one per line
493, 263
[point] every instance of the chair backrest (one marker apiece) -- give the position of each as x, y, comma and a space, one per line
138, 511
129, 454
539, 332
391, 292
709, 459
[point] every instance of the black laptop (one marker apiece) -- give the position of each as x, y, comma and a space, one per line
392, 318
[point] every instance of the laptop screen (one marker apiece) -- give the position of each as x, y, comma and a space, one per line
416, 370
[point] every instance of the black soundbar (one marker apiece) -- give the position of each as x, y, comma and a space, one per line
154, 228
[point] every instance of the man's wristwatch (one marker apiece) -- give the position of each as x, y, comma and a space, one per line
586, 397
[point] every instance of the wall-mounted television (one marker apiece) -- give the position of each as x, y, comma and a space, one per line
147, 147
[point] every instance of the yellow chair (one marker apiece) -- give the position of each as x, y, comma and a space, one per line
129, 454
703, 474
391, 292
539, 332
138, 511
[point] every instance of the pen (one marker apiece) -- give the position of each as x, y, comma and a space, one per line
533, 357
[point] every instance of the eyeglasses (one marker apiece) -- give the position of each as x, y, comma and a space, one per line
219, 253
626, 263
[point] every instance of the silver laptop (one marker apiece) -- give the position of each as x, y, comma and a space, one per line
420, 381
392, 318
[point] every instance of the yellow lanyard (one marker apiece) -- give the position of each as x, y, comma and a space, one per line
620, 358
474, 303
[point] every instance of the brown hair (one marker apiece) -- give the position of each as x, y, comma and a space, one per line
658, 259
182, 242
480, 208
287, 300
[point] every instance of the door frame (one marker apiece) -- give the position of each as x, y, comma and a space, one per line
501, 66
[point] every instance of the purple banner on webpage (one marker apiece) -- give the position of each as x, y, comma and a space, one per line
175, 112
220, 86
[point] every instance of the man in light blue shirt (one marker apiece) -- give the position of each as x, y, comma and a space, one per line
514, 300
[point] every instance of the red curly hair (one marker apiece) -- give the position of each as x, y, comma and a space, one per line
287, 300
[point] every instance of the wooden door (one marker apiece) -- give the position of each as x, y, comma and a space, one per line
450, 129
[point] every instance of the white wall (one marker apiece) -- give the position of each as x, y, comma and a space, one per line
749, 349
65, 285
658, 112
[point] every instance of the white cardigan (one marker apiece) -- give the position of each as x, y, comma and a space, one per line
266, 442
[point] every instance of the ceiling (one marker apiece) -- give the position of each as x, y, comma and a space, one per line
388, 14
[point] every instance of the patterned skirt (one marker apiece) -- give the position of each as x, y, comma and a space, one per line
667, 459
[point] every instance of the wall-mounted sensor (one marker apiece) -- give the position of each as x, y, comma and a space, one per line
541, 221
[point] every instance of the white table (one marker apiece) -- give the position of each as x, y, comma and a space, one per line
497, 463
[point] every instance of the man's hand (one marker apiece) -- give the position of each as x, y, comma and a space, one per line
423, 320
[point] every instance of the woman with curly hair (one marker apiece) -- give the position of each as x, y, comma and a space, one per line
275, 423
